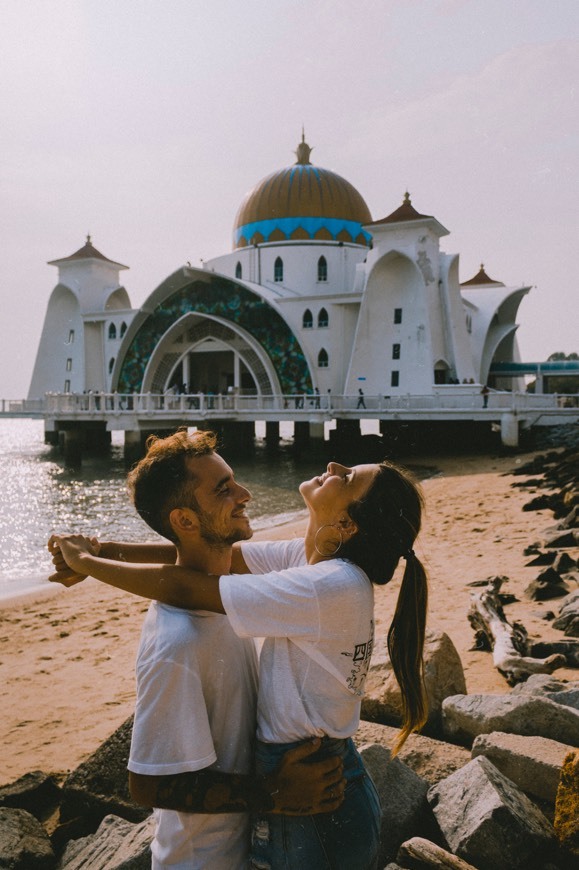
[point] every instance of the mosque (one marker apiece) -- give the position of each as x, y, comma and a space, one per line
317, 297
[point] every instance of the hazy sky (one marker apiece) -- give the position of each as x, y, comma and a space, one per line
145, 122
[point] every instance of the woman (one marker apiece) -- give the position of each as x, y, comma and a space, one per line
313, 601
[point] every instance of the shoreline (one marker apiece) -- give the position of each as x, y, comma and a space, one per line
67, 658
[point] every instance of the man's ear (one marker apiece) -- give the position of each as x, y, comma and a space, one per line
183, 521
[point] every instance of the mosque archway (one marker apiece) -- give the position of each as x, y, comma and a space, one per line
266, 347
201, 353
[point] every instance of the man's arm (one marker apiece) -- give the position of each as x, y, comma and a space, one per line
296, 788
170, 584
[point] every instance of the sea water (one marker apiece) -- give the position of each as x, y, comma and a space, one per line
40, 496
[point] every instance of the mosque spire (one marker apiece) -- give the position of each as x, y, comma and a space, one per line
303, 152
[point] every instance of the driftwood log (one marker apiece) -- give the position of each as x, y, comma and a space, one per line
418, 852
508, 642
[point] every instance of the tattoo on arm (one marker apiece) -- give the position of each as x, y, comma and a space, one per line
212, 791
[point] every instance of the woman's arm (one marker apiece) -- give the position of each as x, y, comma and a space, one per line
120, 551
170, 584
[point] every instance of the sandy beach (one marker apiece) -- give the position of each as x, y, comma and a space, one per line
67, 656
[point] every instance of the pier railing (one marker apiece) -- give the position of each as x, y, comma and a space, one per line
297, 405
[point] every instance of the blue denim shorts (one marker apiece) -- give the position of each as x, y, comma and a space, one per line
347, 839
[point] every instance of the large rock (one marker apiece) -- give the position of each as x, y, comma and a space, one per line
24, 844
561, 691
561, 540
431, 759
532, 763
99, 786
467, 716
568, 613
405, 811
567, 805
488, 821
36, 792
548, 584
117, 845
443, 676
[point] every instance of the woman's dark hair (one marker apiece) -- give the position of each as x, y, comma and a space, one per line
388, 520
161, 481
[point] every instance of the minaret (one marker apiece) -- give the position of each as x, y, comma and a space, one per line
90, 275
74, 352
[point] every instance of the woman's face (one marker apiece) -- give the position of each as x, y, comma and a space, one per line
330, 494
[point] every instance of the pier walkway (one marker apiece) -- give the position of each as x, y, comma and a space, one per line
69, 415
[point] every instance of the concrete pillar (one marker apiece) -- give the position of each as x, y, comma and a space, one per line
349, 428
187, 371
236, 439
301, 434
72, 447
134, 446
51, 437
317, 432
272, 434
510, 429
97, 439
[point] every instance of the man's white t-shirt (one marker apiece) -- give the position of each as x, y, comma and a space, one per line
196, 699
319, 630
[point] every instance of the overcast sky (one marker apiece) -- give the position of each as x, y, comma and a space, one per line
145, 122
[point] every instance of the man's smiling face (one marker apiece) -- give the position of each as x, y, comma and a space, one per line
220, 501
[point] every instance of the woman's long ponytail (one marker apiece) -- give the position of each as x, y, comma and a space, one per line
406, 647
388, 519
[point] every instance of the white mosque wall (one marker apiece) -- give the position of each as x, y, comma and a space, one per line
494, 309
94, 350
300, 261
59, 365
456, 334
394, 291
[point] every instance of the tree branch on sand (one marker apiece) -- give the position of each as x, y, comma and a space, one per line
508, 642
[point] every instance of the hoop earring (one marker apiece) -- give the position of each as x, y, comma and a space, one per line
317, 549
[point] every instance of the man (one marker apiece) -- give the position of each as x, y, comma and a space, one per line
191, 752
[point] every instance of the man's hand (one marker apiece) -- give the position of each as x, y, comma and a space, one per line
61, 545
300, 787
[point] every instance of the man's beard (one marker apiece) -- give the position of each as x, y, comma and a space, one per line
215, 538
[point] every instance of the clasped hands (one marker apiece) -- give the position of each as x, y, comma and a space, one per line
65, 551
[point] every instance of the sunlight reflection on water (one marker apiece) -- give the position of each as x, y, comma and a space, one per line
40, 496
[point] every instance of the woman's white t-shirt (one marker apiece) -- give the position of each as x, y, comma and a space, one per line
319, 630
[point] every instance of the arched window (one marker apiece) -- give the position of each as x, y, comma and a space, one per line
323, 359
112, 331
323, 318
322, 269
111, 365
238, 270
468, 323
308, 320
278, 269
123, 328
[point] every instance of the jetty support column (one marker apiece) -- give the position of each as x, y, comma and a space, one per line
72, 441
510, 429
272, 436
236, 439
134, 445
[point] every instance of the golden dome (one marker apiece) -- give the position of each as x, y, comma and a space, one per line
302, 202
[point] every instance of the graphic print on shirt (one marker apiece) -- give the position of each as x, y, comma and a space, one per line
360, 663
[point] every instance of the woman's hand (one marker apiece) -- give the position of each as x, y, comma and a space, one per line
66, 551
